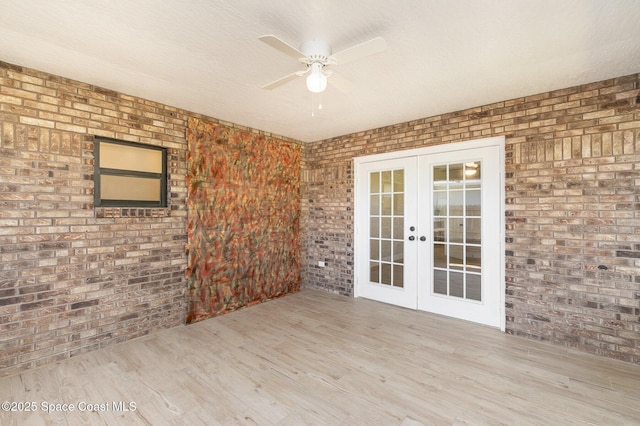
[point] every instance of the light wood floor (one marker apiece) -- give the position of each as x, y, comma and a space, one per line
317, 358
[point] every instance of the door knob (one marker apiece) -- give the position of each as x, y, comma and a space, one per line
411, 238
423, 238
412, 228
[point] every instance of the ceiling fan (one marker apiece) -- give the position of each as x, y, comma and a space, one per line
316, 55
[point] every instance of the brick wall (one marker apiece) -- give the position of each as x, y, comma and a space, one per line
74, 278
572, 207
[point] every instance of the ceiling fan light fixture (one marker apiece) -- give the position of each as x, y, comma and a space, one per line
317, 55
316, 80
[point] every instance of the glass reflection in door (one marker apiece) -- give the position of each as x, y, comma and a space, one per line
457, 239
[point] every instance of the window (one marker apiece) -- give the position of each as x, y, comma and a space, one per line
128, 174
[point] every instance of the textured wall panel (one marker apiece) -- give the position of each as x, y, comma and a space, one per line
243, 218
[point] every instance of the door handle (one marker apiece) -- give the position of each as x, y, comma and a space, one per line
411, 238
423, 238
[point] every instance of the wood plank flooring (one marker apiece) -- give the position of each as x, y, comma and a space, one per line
321, 359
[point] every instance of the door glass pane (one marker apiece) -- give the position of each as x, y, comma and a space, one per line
472, 231
456, 176
439, 176
472, 260
374, 180
440, 203
374, 227
456, 204
398, 181
456, 260
440, 255
398, 252
398, 276
456, 284
374, 274
472, 203
440, 282
386, 182
385, 231
374, 249
386, 227
385, 273
398, 204
439, 230
385, 250
398, 228
473, 287
457, 225
472, 174
374, 202
386, 204
456, 230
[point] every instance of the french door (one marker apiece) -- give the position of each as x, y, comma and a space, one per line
390, 213
429, 231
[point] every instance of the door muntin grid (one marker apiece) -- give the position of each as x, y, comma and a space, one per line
457, 224
386, 227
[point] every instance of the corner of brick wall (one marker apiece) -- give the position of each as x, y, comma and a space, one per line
74, 278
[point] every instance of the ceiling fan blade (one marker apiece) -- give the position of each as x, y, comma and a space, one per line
282, 46
339, 82
281, 81
375, 45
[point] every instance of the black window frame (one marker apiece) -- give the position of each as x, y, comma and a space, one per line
99, 171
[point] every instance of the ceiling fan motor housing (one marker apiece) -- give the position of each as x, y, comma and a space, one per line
316, 51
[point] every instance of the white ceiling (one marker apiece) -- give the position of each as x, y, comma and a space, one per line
442, 55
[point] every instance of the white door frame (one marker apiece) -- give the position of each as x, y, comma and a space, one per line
476, 143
